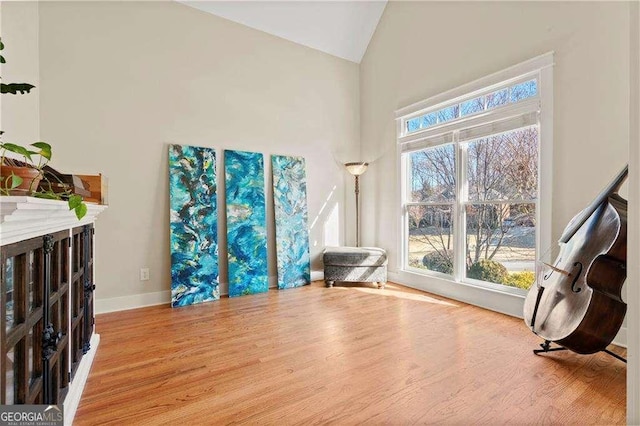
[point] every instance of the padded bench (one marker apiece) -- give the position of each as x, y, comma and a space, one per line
355, 264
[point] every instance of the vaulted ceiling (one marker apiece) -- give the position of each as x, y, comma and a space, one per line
339, 28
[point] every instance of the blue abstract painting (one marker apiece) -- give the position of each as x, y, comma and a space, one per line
292, 229
246, 223
194, 225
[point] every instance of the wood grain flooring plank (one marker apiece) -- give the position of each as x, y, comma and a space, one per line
345, 355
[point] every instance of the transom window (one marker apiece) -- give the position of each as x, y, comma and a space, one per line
471, 180
497, 98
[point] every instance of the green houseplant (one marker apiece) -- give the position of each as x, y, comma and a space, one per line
23, 177
26, 175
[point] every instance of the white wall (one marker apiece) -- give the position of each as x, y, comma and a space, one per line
421, 49
19, 114
633, 290
120, 81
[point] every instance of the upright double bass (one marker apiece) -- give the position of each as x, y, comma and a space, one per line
576, 302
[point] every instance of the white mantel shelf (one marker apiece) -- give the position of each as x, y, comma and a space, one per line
22, 218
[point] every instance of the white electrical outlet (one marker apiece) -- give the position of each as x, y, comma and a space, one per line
144, 274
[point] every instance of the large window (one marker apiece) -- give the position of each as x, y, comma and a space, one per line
471, 180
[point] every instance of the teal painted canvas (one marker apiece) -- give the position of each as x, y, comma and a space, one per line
292, 229
193, 225
246, 223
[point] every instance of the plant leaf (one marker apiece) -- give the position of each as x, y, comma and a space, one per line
14, 88
74, 201
45, 149
2, 61
46, 195
17, 149
15, 181
42, 145
81, 210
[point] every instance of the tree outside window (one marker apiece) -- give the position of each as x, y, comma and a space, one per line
497, 204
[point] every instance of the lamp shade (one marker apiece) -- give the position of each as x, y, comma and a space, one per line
356, 168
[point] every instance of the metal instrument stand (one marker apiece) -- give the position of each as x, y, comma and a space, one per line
546, 347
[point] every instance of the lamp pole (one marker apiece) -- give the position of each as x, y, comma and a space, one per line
357, 212
356, 169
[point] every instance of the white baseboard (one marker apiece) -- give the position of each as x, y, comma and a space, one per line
494, 300
134, 301
76, 387
123, 303
621, 337
507, 304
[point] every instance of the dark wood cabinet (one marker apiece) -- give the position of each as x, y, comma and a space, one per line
46, 294
47, 322
82, 286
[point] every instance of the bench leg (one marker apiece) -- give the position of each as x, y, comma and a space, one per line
329, 284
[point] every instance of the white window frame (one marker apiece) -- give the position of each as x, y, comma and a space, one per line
540, 68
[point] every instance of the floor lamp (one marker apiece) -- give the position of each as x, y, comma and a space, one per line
356, 169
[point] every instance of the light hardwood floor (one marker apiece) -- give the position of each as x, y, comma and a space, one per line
344, 355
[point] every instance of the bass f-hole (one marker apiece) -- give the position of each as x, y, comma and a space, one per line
575, 279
